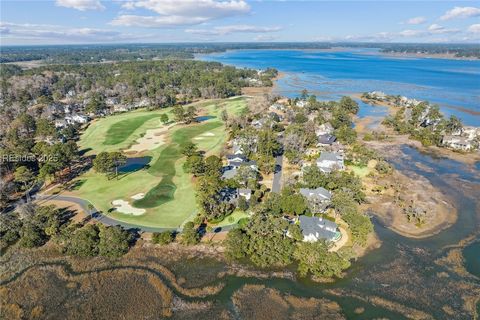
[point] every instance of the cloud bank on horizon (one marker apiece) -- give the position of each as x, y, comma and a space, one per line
120, 21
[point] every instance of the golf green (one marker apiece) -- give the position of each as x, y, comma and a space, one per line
165, 166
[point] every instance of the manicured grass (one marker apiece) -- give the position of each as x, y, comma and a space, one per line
94, 139
360, 171
233, 218
169, 193
121, 130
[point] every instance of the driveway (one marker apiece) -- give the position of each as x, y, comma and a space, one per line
277, 175
98, 216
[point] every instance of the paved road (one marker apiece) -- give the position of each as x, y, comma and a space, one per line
277, 176
97, 215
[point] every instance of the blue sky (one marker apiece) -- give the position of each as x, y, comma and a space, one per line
130, 21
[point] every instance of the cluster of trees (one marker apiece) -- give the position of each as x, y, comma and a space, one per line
426, 123
96, 240
109, 162
97, 53
33, 226
184, 115
265, 243
163, 82
32, 149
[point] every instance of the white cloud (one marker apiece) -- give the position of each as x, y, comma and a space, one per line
474, 28
436, 29
81, 5
416, 20
224, 30
59, 34
461, 13
180, 12
411, 33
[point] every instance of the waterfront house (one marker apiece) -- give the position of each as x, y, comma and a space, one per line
316, 228
457, 143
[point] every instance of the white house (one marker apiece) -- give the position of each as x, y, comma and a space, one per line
330, 161
246, 193
315, 228
457, 143
301, 103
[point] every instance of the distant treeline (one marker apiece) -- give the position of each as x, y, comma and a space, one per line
67, 54
459, 50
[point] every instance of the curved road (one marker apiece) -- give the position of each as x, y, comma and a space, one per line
97, 215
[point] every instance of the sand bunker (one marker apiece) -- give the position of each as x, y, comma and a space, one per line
152, 139
138, 196
203, 135
125, 207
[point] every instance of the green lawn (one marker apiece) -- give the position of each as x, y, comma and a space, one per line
99, 136
169, 195
233, 218
360, 171
121, 130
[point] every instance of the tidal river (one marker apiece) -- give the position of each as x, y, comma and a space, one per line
453, 84
406, 271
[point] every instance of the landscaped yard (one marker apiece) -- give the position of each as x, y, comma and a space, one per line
168, 194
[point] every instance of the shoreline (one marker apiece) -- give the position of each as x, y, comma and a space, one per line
258, 91
470, 158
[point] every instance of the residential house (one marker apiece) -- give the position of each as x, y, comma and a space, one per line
326, 140
318, 199
237, 164
470, 132
259, 123
278, 107
330, 161
457, 142
246, 193
316, 228
60, 123
76, 118
228, 173
120, 108
229, 195
112, 101
235, 158
301, 103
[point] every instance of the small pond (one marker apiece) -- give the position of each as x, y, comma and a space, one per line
134, 164
204, 118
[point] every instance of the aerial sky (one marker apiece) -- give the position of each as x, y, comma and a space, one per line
155, 21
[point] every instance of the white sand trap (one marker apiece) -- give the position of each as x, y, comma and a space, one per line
152, 139
125, 207
138, 196
198, 138
208, 134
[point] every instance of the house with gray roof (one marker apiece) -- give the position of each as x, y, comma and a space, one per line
246, 193
318, 199
316, 228
326, 140
228, 173
330, 161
